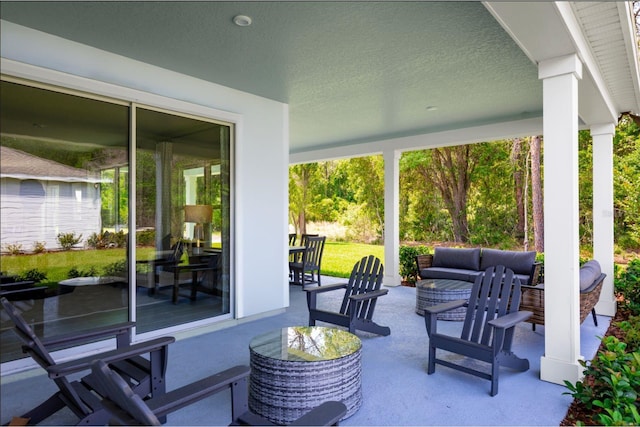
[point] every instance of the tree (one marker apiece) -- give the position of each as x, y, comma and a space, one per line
519, 184
367, 183
536, 194
301, 179
450, 172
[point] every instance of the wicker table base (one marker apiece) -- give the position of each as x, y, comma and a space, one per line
435, 291
295, 369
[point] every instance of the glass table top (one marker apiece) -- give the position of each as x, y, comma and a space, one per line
306, 343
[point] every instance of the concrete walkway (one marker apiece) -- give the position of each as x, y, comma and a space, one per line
396, 388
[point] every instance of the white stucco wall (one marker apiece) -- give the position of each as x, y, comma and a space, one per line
261, 150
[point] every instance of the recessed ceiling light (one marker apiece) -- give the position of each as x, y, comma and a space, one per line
431, 108
242, 20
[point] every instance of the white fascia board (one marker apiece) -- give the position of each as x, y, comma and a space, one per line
590, 66
629, 33
470, 135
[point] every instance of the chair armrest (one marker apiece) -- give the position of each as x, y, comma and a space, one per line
445, 306
539, 287
369, 295
84, 363
84, 336
510, 319
327, 414
17, 285
326, 288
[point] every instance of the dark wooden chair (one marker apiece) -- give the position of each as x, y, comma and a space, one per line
168, 265
487, 333
359, 302
127, 409
205, 277
145, 375
292, 239
307, 269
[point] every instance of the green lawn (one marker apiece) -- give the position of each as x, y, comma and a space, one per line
337, 260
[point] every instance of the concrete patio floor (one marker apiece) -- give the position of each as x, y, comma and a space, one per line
396, 388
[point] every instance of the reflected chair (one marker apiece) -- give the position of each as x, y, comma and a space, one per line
359, 302
205, 277
307, 269
144, 374
487, 333
127, 409
161, 271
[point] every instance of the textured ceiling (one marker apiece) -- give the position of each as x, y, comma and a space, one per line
350, 71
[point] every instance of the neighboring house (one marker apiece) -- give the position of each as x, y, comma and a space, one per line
40, 198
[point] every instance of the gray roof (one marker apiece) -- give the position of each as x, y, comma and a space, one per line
20, 165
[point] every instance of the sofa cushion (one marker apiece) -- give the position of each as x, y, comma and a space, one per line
589, 272
449, 273
518, 261
465, 259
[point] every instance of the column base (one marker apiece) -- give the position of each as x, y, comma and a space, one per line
557, 371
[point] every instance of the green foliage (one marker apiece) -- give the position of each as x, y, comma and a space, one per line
33, 274
408, 267
627, 283
146, 237
68, 240
118, 268
107, 240
612, 383
14, 248
631, 330
39, 247
75, 272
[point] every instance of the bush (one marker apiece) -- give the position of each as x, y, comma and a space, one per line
39, 247
146, 238
68, 240
34, 274
74, 272
408, 267
107, 240
627, 284
118, 268
611, 384
14, 249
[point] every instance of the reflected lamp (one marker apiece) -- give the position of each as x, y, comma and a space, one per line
198, 214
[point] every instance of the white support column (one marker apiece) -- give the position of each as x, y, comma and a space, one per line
391, 217
603, 212
561, 240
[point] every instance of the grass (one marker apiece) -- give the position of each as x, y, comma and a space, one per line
337, 260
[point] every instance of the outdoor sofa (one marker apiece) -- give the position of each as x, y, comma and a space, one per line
466, 264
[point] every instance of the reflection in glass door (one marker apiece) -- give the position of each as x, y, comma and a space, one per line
182, 214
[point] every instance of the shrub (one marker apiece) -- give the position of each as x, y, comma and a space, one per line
39, 247
68, 240
611, 384
145, 238
33, 274
408, 268
627, 284
107, 240
14, 249
118, 268
74, 272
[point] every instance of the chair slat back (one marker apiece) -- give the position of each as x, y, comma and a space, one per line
126, 406
292, 239
312, 256
494, 294
366, 276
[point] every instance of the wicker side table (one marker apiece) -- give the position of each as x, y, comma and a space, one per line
435, 291
293, 370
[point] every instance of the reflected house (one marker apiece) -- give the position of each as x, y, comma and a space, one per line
40, 198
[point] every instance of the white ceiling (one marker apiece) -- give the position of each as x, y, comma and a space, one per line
350, 71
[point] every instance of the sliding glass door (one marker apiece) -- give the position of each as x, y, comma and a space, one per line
82, 178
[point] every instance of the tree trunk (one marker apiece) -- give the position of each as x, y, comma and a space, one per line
451, 174
518, 181
536, 194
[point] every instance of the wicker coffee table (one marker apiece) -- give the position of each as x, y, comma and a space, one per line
435, 291
295, 369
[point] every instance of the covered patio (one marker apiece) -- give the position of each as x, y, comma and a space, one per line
309, 81
396, 389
